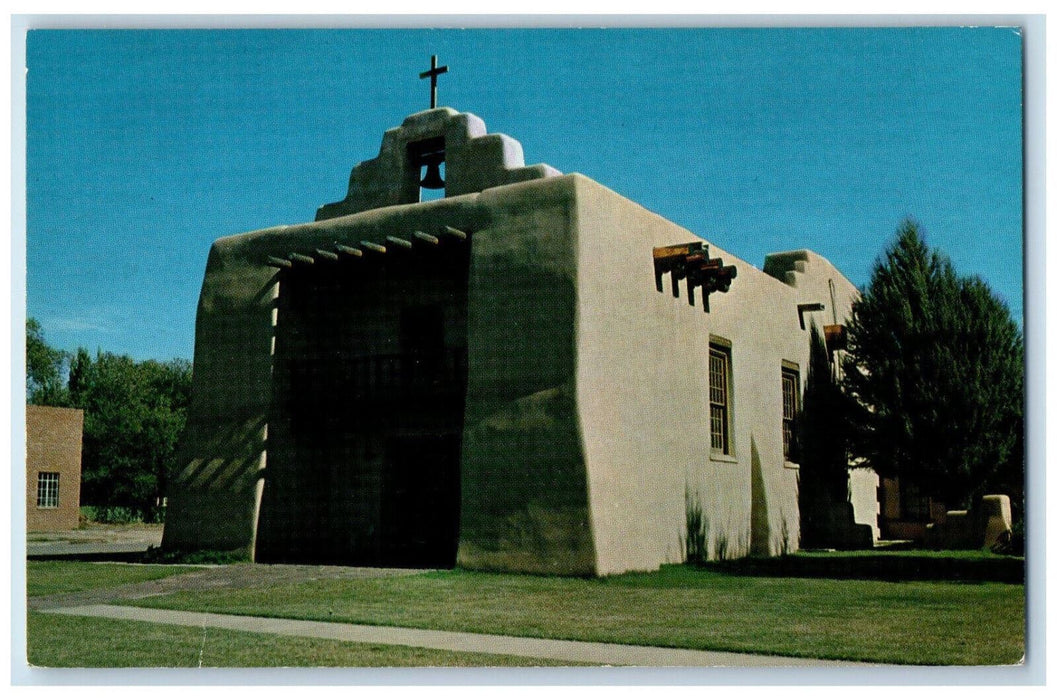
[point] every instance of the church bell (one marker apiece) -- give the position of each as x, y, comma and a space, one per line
433, 180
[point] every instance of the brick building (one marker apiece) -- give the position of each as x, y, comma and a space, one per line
53, 467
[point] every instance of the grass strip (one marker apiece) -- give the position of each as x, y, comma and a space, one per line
916, 622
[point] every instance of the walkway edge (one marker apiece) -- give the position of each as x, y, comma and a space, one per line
555, 649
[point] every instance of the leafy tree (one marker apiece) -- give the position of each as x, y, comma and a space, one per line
44, 369
133, 415
937, 366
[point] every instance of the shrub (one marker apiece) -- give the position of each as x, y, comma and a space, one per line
695, 543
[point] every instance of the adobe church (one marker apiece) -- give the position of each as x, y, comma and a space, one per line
530, 373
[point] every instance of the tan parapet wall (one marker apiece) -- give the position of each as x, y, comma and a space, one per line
53, 445
525, 492
642, 383
863, 485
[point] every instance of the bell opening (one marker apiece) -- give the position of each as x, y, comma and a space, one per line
431, 182
427, 158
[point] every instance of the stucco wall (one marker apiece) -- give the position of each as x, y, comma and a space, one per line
863, 485
758, 318
524, 496
815, 281
53, 444
642, 386
216, 491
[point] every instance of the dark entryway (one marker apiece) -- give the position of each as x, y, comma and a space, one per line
369, 386
420, 494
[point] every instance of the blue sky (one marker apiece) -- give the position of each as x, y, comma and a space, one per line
145, 146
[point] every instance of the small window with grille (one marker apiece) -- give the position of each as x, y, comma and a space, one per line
47, 489
790, 412
719, 398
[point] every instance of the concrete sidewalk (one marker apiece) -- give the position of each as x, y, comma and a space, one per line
98, 550
560, 650
98, 540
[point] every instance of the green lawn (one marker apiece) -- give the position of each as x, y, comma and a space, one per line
63, 641
918, 622
53, 577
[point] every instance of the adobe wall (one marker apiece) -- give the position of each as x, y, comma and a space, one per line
863, 486
642, 385
815, 280
53, 444
525, 497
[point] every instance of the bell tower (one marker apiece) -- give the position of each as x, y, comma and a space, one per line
435, 150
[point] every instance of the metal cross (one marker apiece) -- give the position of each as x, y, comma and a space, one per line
432, 74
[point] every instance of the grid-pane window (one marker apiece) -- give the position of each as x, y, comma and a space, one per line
47, 489
719, 398
790, 410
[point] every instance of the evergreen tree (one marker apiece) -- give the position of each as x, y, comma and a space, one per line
936, 364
